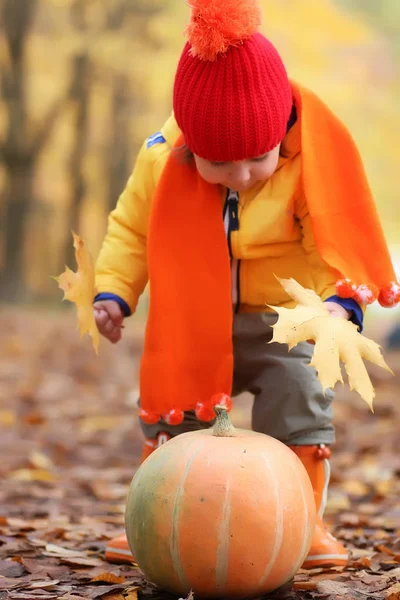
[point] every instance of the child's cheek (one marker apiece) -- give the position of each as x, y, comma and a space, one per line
213, 175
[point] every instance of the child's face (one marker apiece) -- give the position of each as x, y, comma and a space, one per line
240, 175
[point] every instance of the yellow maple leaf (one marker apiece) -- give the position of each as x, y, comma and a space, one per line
79, 288
335, 340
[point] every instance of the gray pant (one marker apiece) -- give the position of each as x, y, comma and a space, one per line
288, 401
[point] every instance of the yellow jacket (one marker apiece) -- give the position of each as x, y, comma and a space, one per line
274, 238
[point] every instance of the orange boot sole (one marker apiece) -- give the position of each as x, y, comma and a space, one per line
117, 550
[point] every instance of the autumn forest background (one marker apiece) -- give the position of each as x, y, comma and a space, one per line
82, 84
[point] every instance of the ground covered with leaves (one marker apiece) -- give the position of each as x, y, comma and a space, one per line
70, 444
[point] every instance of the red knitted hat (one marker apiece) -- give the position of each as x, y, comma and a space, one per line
232, 97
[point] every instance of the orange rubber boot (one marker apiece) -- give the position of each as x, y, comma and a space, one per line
117, 549
325, 551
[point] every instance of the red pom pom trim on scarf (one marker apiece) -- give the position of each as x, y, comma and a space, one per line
388, 296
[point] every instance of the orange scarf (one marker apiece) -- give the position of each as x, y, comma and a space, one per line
188, 344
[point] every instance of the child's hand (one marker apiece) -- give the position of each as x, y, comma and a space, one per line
109, 317
336, 310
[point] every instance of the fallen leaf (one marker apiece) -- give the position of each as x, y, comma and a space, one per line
33, 475
81, 562
38, 460
335, 340
101, 591
9, 568
60, 551
393, 593
362, 563
385, 550
108, 578
79, 288
132, 593
7, 418
42, 585
305, 586
333, 587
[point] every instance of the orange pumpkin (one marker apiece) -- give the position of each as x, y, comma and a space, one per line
222, 512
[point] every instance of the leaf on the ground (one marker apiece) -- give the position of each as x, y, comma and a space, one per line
9, 568
81, 562
38, 460
305, 586
335, 340
101, 591
79, 288
7, 418
39, 567
131, 593
42, 585
108, 578
61, 552
33, 475
393, 593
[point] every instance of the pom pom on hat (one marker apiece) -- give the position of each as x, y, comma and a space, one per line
215, 26
232, 97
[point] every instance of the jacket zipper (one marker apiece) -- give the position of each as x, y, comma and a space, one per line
231, 223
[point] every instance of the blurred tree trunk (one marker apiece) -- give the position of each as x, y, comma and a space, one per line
80, 91
119, 150
17, 153
22, 143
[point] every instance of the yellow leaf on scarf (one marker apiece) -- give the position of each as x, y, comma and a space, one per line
335, 339
79, 288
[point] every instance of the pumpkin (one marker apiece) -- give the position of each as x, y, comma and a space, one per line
221, 512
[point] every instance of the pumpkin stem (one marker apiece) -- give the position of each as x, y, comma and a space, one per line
223, 426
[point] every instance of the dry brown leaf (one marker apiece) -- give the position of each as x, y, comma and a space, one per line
108, 578
305, 586
335, 340
80, 562
393, 593
61, 552
362, 563
131, 593
79, 288
7, 418
42, 585
33, 475
38, 460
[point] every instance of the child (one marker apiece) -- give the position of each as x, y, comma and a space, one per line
251, 177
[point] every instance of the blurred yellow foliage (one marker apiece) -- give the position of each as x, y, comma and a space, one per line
136, 45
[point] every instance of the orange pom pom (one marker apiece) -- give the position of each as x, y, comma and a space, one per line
366, 294
148, 417
345, 288
216, 25
204, 412
174, 417
389, 296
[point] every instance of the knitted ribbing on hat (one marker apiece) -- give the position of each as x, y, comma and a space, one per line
232, 98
